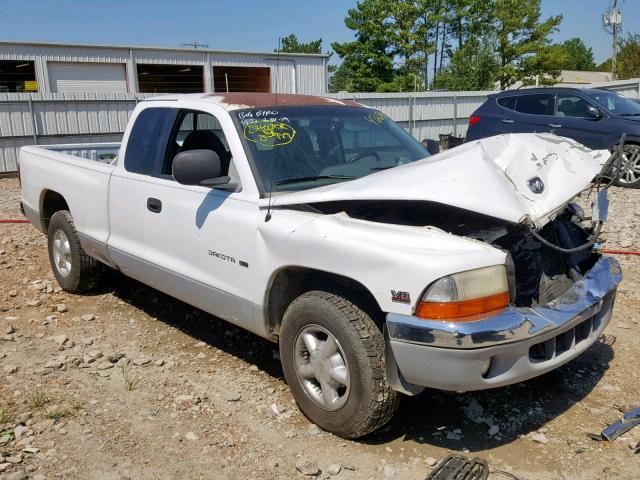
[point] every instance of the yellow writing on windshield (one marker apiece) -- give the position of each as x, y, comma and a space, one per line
376, 117
269, 133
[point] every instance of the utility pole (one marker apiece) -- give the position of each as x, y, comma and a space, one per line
614, 46
435, 54
612, 23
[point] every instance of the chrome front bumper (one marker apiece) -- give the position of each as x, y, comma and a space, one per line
517, 344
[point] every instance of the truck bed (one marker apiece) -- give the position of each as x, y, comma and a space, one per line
78, 173
101, 152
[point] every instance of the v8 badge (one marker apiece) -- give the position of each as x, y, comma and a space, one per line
400, 297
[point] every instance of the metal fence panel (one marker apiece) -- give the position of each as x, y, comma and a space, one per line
54, 118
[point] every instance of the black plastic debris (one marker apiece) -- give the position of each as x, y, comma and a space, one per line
620, 427
457, 467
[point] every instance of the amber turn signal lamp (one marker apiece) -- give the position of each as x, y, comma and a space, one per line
463, 311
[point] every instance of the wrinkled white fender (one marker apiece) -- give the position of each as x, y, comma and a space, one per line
382, 257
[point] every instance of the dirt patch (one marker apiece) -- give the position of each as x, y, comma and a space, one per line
129, 383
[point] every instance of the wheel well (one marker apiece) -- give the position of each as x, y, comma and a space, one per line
52, 202
632, 140
289, 283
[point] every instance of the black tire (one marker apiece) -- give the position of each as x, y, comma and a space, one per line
84, 272
370, 402
630, 179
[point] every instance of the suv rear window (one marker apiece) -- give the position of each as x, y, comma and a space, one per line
508, 102
535, 104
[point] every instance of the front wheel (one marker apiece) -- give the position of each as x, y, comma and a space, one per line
332, 357
630, 176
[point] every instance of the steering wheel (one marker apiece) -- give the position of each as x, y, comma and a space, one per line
362, 155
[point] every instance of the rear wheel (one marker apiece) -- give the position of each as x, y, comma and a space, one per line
630, 176
332, 357
74, 270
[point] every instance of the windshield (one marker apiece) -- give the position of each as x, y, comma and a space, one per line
297, 148
615, 103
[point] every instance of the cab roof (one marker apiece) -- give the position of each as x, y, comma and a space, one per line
240, 100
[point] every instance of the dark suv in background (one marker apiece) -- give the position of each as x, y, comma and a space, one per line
596, 118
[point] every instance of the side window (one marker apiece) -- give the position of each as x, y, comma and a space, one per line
148, 139
571, 105
195, 131
535, 104
508, 102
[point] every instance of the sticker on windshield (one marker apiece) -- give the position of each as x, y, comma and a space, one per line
269, 133
376, 118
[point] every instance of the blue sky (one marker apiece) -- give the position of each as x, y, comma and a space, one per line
240, 25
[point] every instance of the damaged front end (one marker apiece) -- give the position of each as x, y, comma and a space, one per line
541, 273
500, 201
562, 293
538, 273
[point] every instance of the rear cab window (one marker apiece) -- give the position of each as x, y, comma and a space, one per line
148, 140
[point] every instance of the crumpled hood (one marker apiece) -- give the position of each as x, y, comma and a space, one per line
489, 176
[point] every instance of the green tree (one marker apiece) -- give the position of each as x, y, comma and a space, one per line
394, 39
290, 44
523, 45
465, 19
472, 67
604, 66
360, 72
368, 61
628, 59
577, 56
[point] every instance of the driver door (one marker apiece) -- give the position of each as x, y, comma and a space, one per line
203, 238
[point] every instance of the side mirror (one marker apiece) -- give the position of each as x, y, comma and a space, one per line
198, 167
592, 112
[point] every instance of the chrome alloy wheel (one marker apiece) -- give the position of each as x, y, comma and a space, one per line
630, 164
61, 253
322, 367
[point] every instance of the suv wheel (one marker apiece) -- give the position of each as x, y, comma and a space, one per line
332, 357
74, 270
630, 177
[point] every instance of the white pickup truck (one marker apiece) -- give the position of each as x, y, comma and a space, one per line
322, 225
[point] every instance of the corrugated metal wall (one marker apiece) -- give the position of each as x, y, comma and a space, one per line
102, 117
290, 74
424, 114
60, 118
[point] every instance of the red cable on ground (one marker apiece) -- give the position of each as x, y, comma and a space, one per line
620, 252
13, 221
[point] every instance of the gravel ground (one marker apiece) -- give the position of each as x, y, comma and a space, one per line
127, 383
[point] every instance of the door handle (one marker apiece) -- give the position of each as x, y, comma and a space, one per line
554, 125
507, 120
154, 205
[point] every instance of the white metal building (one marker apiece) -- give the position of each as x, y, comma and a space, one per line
60, 68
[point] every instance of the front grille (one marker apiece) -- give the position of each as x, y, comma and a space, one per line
570, 339
541, 272
556, 346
